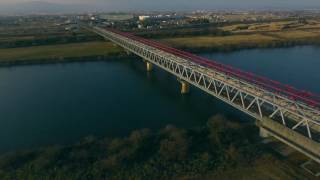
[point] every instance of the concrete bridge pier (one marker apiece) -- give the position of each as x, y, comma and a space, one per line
128, 52
149, 66
263, 133
185, 87
300, 141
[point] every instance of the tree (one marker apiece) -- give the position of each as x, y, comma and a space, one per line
175, 145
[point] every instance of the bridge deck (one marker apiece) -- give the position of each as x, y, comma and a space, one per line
295, 110
309, 98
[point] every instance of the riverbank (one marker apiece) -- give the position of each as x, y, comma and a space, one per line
238, 36
51, 42
103, 50
221, 149
202, 44
88, 51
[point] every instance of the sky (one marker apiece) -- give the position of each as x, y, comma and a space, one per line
119, 5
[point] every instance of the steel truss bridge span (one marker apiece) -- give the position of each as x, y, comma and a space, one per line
286, 113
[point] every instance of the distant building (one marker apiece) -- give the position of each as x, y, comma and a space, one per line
70, 28
116, 17
143, 18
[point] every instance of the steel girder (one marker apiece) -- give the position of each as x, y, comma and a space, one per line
247, 97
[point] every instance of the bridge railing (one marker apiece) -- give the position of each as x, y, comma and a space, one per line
249, 97
306, 97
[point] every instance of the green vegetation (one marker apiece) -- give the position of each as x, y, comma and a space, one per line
184, 32
56, 53
245, 41
49, 41
222, 149
42, 42
205, 43
237, 36
30, 38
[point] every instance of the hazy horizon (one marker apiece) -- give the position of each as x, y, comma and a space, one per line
137, 5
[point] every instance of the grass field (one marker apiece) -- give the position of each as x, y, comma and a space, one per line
36, 44
266, 168
40, 37
216, 41
298, 34
196, 43
240, 41
59, 52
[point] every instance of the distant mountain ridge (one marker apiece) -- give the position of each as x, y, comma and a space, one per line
40, 7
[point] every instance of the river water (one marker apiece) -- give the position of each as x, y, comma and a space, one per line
62, 103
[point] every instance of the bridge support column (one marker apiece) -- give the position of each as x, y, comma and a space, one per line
149, 66
185, 87
128, 52
264, 133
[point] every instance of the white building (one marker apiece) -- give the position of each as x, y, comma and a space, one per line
143, 18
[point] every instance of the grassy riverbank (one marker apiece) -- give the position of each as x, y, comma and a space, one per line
29, 34
237, 36
107, 50
244, 41
54, 44
222, 149
59, 53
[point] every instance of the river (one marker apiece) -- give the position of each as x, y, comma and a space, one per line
63, 103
